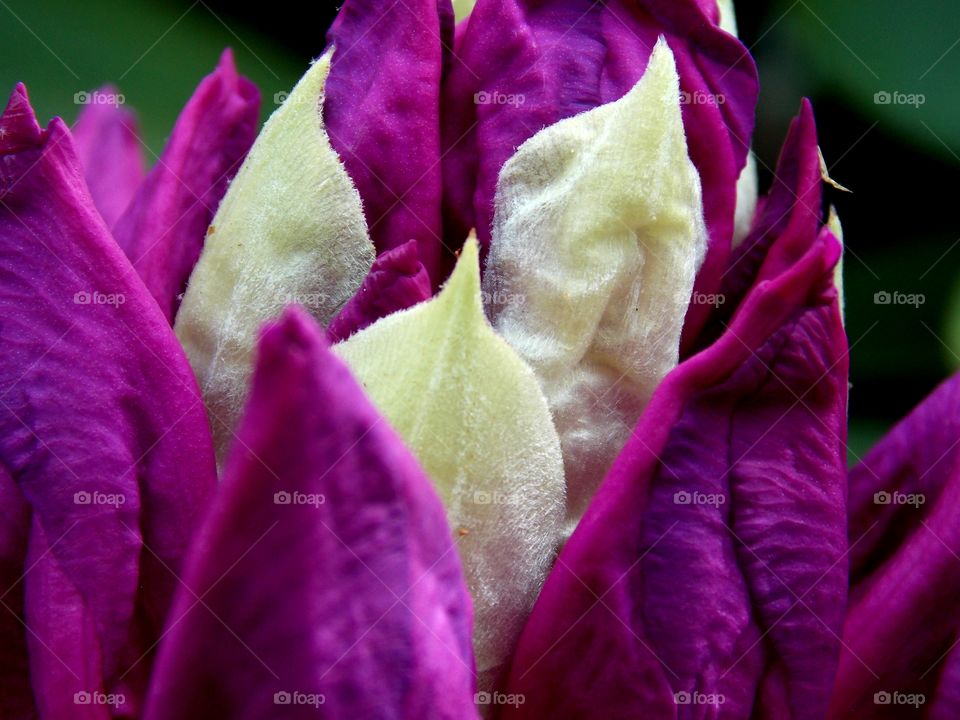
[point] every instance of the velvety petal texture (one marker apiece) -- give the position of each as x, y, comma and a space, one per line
711, 562
289, 229
16, 693
101, 427
163, 230
597, 239
108, 144
383, 117
902, 626
325, 582
522, 65
397, 281
473, 414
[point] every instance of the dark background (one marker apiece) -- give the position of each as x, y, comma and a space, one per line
900, 160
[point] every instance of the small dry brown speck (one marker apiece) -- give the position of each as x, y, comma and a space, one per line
463, 531
211, 230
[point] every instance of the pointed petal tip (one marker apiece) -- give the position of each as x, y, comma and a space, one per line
227, 64
19, 128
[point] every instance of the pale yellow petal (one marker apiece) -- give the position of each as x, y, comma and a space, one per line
598, 235
474, 416
290, 229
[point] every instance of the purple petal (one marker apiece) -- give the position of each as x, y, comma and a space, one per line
101, 423
904, 533
108, 144
163, 230
326, 568
16, 697
898, 481
396, 281
522, 65
712, 558
382, 114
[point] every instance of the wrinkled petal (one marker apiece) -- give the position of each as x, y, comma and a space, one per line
383, 116
711, 562
524, 64
108, 145
16, 698
396, 281
101, 423
327, 578
290, 227
904, 533
597, 239
474, 416
163, 230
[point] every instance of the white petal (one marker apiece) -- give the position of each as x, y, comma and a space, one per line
290, 229
598, 235
472, 413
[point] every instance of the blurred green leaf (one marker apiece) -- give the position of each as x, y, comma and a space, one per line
894, 61
155, 52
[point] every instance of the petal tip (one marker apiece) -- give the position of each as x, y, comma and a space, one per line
19, 128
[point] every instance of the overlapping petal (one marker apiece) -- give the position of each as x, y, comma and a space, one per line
163, 230
711, 563
326, 583
101, 425
474, 415
525, 64
383, 117
901, 627
396, 281
108, 144
597, 239
290, 229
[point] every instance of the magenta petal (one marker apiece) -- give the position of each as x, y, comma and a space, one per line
16, 697
396, 281
712, 558
326, 569
902, 477
525, 64
163, 230
101, 423
382, 113
108, 144
904, 512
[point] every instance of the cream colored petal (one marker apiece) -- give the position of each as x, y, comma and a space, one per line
728, 18
598, 235
290, 229
746, 200
833, 223
473, 414
462, 8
